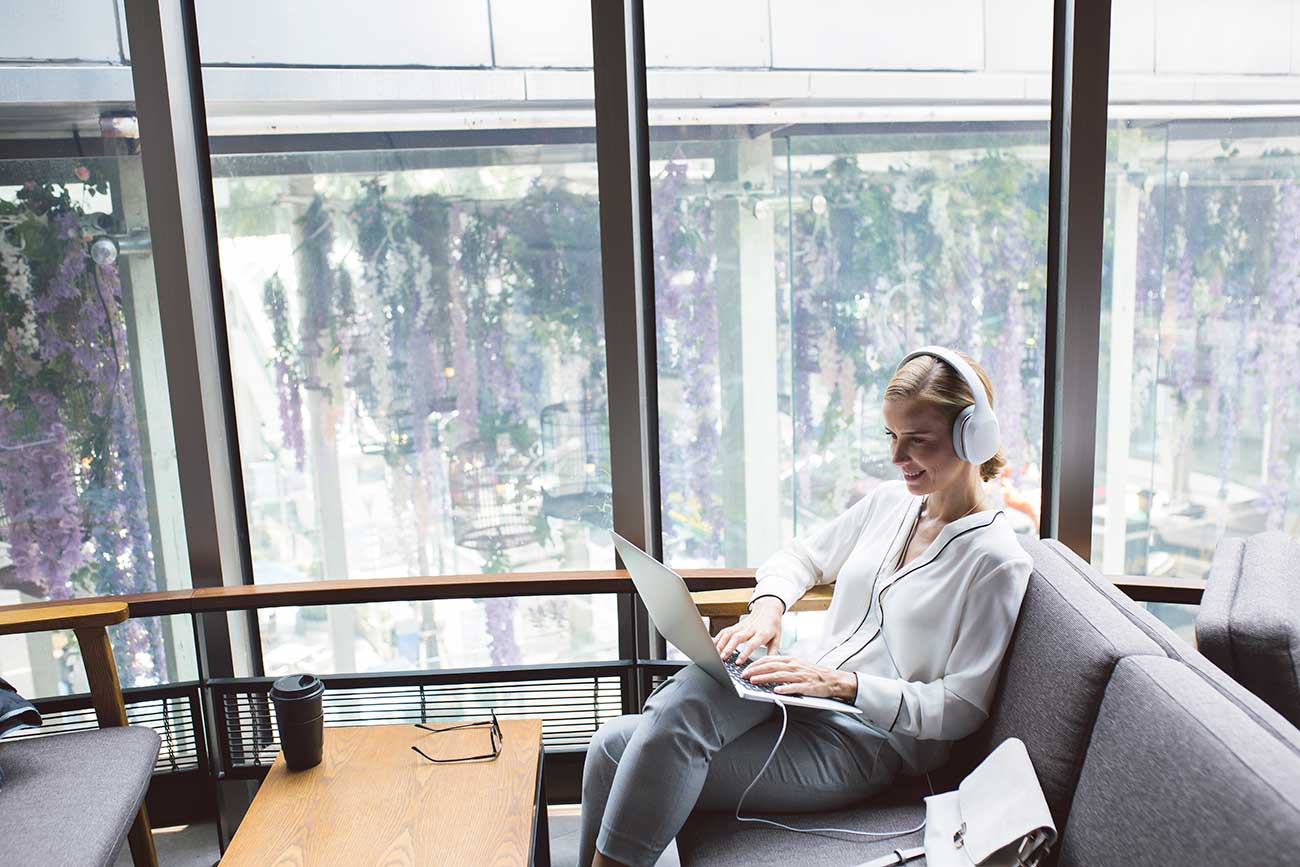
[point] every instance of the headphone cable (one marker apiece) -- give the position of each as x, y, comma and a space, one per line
785, 717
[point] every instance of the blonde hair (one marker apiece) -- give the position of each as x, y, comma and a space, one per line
934, 382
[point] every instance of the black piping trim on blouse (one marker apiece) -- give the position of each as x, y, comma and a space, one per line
898, 713
936, 556
871, 596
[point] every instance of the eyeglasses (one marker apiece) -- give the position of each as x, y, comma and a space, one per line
494, 731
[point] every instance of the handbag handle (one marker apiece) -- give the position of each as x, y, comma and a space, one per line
898, 856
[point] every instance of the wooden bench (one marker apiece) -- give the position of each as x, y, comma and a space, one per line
725, 607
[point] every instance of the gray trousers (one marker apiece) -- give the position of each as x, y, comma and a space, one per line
698, 745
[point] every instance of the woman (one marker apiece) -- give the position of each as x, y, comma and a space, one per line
928, 586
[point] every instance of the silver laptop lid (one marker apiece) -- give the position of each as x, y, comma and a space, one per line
669, 602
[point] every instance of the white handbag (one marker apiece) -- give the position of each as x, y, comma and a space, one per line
998, 817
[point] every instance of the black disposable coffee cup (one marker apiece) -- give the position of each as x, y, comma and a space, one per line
298, 716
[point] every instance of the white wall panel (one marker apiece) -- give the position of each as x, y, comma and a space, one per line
717, 33
1143, 89
1295, 37
386, 86
1223, 36
726, 85
706, 50
1275, 88
877, 34
1133, 36
59, 30
345, 32
564, 85
1018, 35
542, 33
54, 83
918, 87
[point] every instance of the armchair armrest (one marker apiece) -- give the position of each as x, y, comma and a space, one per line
61, 615
725, 607
88, 620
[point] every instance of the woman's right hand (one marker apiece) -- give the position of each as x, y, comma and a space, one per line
761, 627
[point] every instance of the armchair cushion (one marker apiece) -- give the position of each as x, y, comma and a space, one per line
718, 840
1249, 622
70, 799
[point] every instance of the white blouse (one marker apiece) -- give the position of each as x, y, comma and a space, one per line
927, 640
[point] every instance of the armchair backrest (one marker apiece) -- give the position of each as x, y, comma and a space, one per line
1067, 641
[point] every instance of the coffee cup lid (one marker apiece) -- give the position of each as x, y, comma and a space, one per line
295, 686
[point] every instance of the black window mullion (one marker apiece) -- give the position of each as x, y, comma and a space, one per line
622, 152
167, 77
1076, 216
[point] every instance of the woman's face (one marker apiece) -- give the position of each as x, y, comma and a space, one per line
921, 446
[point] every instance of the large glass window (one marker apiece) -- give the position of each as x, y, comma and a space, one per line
1198, 395
416, 332
409, 241
871, 183
89, 494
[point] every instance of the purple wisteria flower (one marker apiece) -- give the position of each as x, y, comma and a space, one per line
71, 469
687, 338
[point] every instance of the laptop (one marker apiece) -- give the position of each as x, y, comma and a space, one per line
669, 602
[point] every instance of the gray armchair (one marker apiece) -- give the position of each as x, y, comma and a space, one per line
74, 799
1249, 622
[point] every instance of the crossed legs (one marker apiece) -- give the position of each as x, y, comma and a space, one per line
699, 745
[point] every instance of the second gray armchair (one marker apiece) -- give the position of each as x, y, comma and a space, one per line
1249, 622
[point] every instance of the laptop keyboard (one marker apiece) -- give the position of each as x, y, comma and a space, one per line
736, 674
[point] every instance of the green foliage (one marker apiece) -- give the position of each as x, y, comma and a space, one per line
951, 251
553, 260
276, 304
496, 560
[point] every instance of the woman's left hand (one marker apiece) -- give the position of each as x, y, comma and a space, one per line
800, 678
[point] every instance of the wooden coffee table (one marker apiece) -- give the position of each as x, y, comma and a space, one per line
372, 800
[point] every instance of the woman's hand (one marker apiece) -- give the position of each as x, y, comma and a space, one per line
799, 678
761, 627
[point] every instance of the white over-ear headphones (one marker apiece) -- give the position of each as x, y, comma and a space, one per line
975, 432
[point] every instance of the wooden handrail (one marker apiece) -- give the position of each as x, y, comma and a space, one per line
443, 587
732, 604
1183, 591
362, 590
140, 604
475, 586
48, 616
725, 607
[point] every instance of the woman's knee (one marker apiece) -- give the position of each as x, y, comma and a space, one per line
610, 740
689, 702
